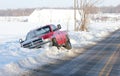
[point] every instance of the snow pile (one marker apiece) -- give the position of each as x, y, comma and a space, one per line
64, 17
97, 31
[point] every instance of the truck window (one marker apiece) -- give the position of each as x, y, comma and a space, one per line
54, 28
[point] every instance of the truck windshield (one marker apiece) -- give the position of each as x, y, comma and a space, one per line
30, 35
42, 30
38, 32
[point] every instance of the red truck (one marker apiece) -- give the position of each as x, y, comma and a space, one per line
46, 34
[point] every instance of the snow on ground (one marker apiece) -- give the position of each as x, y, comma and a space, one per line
15, 60
14, 19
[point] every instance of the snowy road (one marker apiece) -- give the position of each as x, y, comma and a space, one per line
103, 59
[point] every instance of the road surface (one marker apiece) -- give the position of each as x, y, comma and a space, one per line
102, 59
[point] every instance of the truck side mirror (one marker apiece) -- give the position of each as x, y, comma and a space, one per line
20, 40
59, 26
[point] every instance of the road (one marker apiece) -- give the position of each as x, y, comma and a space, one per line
102, 59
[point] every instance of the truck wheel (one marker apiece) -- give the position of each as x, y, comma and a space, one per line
54, 43
68, 44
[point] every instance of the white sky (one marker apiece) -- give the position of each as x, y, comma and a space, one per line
4, 4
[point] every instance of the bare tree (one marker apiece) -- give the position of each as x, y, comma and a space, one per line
84, 7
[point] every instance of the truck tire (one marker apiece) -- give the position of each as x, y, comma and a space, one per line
68, 44
54, 43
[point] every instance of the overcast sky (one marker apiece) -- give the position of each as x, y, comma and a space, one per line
5, 4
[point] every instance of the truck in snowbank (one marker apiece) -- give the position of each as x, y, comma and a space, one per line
46, 34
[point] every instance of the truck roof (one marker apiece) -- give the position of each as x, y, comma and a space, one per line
41, 27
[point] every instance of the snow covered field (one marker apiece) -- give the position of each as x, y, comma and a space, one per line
15, 60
